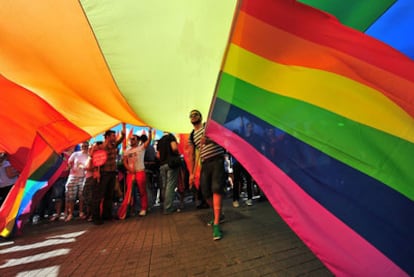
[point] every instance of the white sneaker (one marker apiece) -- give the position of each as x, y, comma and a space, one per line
236, 204
35, 219
249, 202
142, 213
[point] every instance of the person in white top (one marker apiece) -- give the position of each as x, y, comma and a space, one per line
133, 160
74, 186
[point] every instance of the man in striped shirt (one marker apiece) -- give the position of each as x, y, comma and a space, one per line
212, 177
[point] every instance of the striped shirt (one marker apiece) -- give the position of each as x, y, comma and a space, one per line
208, 151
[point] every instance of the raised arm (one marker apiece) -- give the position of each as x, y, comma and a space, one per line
149, 138
121, 139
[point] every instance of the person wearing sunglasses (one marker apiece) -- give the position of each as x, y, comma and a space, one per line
74, 185
212, 175
133, 160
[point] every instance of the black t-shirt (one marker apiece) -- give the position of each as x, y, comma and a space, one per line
164, 147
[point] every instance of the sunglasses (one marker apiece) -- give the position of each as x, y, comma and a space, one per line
194, 115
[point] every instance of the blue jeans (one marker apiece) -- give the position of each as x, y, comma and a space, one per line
169, 179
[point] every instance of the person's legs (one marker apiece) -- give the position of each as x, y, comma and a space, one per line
171, 184
42, 210
127, 206
70, 206
58, 192
249, 186
70, 193
97, 197
74, 192
156, 179
141, 184
181, 186
149, 186
163, 182
80, 196
218, 179
58, 210
87, 196
217, 198
205, 183
204, 203
236, 185
108, 184
210, 186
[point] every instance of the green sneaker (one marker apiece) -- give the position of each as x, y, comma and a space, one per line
216, 232
211, 222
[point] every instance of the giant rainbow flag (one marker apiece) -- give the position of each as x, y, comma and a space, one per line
338, 102
340, 106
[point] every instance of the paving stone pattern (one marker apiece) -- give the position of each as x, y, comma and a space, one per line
256, 242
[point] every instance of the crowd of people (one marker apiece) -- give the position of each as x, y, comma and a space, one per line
102, 183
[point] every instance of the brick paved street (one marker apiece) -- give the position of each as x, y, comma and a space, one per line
256, 243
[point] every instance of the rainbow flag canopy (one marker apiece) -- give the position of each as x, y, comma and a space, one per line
326, 85
69, 70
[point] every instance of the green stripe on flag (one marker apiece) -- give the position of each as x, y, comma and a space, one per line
377, 154
357, 14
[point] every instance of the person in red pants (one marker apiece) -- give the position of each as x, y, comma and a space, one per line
133, 160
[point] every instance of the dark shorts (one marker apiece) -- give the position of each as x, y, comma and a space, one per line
58, 189
212, 177
88, 190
